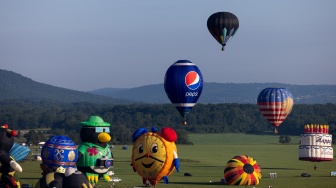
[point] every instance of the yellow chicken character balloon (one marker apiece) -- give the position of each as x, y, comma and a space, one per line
154, 155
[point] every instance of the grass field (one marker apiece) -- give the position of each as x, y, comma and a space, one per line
206, 160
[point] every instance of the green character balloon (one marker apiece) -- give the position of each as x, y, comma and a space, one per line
94, 155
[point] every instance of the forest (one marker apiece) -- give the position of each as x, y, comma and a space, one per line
65, 118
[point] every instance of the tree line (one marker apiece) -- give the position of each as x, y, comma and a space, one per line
125, 119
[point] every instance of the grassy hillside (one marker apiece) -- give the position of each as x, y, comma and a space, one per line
206, 160
17, 87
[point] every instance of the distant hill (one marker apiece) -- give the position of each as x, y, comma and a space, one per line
17, 87
226, 93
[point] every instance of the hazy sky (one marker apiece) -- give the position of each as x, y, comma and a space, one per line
88, 44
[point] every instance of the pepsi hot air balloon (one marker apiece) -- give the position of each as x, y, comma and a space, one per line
275, 104
183, 84
223, 26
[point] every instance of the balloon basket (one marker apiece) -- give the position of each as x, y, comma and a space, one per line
276, 131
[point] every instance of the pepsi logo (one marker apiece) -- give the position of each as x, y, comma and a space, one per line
192, 80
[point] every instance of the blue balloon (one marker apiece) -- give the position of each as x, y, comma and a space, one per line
19, 152
183, 84
59, 151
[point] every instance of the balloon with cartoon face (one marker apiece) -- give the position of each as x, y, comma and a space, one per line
95, 158
154, 155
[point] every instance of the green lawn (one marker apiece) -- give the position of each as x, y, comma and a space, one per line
206, 160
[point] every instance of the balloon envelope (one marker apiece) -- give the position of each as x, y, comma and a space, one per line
183, 84
316, 144
19, 152
242, 170
275, 104
154, 154
58, 151
223, 26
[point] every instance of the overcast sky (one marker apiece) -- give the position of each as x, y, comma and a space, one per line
87, 44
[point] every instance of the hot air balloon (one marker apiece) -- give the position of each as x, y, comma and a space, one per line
275, 104
8, 177
59, 155
95, 158
242, 170
223, 26
59, 152
316, 144
183, 84
154, 154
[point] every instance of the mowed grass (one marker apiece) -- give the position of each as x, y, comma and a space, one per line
206, 160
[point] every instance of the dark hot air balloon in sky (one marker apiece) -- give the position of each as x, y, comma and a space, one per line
275, 104
183, 84
223, 26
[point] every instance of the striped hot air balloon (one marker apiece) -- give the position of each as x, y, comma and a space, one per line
275, 104
242, 170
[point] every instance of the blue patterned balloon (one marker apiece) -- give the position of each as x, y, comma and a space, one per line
59, 151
